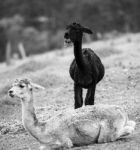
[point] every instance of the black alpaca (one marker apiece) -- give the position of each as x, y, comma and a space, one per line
86, 69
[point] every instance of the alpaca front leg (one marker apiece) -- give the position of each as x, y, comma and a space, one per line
90, 96
78, 96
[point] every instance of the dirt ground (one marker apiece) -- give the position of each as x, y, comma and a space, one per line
121, 86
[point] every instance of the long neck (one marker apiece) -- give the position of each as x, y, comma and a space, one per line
79, 56
30, 121
28, 112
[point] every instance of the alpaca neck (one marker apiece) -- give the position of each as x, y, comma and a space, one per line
30, 120
28, 112
79, 56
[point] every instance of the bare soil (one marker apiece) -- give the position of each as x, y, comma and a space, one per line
121, 86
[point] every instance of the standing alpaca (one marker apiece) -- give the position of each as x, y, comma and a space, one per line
86, 69
92, 124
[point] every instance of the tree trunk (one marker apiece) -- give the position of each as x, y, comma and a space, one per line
8, 53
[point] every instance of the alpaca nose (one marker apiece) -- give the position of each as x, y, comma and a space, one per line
10, 91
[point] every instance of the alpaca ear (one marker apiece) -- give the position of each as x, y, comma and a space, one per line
86, 30
37, 87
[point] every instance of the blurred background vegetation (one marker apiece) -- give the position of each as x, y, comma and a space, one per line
40, 24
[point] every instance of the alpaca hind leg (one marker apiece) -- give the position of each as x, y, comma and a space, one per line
105, 134
78, 96
90, 96
127, 130
88, 131
131, 123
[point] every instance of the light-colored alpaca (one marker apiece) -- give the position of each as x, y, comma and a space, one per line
87, 125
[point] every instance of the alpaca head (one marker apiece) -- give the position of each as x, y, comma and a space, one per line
75, 32
23, 88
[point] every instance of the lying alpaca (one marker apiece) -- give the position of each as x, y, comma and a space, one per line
86, 69
91, 124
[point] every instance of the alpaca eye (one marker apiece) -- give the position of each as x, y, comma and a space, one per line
21, 86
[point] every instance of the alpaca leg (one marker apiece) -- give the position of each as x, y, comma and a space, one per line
131, 123
105, 134
88, 131
44, 147
78, 96
67, 143
127, 130
90, 96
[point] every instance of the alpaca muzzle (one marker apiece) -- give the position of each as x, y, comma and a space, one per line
11, 93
